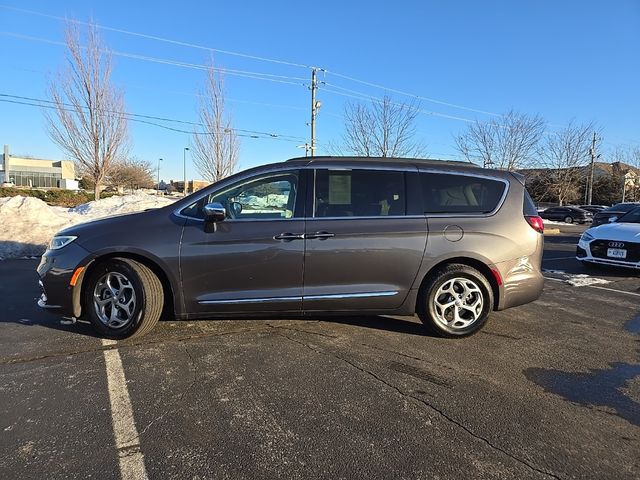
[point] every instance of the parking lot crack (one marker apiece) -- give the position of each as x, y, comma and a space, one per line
421, 401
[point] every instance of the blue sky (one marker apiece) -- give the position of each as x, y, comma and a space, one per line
562, 59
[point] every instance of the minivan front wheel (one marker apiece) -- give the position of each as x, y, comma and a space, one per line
123, 298
455, 301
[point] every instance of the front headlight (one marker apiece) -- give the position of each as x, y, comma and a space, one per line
60, 241
586, 237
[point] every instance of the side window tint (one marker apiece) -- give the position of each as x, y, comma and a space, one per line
451, 193
359, 193
268, 197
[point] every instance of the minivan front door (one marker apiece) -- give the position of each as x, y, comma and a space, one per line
251, 261
362, 250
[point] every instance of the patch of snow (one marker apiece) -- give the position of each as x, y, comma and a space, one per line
583, 280
29, 223
546, 270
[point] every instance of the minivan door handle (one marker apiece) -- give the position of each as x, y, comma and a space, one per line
287, 237
320, 235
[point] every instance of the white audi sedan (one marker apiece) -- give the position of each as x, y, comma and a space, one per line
616, 243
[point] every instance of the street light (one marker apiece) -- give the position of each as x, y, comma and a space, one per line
184, 170
159, 160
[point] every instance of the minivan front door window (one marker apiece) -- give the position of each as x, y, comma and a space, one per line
270, 197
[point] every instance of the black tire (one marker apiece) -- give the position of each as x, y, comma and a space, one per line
147, 303
427, 310
568, 219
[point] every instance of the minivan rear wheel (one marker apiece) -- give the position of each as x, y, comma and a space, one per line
455, 301
123, 298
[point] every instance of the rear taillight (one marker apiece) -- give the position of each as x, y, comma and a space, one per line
535, 222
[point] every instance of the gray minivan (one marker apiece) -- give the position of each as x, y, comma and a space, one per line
323, 235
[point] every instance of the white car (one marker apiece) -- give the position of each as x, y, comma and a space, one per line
616, 243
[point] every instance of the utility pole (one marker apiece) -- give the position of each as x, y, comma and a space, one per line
184, 171
592, 152
315, 105
159, 160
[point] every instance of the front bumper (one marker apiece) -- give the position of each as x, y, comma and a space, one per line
55, 270
583, 254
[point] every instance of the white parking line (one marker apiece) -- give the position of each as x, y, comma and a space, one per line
558, 258
595, 286
124, 428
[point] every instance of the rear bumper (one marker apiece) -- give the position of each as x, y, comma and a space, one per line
55, 271
522, 279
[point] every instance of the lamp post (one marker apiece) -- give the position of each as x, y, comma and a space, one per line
184, 170
159, 160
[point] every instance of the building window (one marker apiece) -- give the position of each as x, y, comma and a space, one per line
34, 179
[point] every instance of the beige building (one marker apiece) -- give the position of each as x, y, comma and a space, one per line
192, 185
36, 172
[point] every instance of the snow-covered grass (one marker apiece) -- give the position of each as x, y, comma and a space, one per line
27, 223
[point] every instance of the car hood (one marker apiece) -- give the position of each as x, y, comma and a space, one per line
101, 225
626, 232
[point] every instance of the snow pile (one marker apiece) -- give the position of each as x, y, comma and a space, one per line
29, 223
117, 205
583, 280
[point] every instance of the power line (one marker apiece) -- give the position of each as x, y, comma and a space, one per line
413, 95
363, 96
136, 117
254, 57
238, 73
254, 75
157, 38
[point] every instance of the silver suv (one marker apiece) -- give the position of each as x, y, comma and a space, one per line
446, 240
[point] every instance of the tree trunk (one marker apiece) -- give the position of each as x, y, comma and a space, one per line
96, 191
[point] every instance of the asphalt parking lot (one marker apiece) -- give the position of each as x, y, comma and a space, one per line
547, 390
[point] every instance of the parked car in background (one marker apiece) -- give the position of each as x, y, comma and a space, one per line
592, 208
448, 241
567, 215
611, 214
616, 243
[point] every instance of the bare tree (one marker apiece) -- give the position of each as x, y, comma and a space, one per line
509, 142
131, 174
382, 128
88, 121
216, 144
565, 153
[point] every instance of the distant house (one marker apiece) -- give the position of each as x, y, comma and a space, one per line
23, 171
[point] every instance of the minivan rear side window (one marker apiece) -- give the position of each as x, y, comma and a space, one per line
528, 207
359, 193
453, 193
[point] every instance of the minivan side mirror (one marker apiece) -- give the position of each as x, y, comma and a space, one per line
214, 212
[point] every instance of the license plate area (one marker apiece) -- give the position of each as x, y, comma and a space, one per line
616, 253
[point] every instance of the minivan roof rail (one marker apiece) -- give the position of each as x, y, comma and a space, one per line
427, 161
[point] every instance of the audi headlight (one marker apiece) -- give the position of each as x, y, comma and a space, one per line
586, 237
60, 241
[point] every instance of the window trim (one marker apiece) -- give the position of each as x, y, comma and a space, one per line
358, 217
299, 203
465, 174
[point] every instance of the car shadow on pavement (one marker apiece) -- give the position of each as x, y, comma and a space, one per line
380, 322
